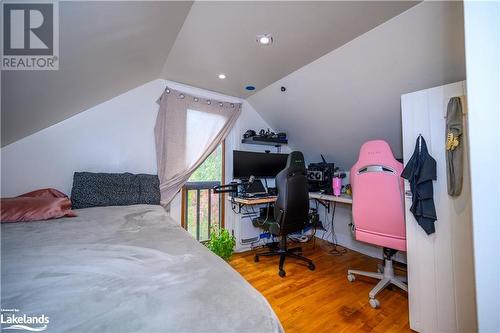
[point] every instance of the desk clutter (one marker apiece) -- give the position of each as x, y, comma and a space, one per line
282, 209
251, 168
265, 138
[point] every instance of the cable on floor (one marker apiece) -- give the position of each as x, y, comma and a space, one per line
337, 249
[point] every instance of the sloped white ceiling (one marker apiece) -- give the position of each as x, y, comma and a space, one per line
352, 94
220, 37
106, 48
331, 106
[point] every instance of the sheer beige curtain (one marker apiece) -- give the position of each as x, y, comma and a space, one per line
188, 129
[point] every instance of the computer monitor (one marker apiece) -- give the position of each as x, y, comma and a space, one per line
259, 165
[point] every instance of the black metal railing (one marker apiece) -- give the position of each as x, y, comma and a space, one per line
202, 208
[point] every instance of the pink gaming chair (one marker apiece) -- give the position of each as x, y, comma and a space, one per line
378, 211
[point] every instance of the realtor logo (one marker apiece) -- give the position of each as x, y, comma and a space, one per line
14, 319
30, 38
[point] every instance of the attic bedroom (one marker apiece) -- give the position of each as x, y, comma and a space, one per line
250, 166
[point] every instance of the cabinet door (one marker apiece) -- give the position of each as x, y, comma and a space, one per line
420, 254
440, 266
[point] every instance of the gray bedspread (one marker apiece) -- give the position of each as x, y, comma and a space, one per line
125, 269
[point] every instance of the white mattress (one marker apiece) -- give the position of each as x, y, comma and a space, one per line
125, 269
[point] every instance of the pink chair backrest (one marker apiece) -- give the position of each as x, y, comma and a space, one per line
377, 188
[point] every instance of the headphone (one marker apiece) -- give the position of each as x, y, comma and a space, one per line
249, 134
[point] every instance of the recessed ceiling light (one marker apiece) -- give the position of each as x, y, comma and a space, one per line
265, 39
250, 88
222, 76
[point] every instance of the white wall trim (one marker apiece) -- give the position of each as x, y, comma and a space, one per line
482, 49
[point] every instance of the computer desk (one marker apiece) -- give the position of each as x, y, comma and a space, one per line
325, 200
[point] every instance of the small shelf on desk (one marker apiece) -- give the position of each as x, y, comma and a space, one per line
253, 201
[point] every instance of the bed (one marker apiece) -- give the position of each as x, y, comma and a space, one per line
125, 269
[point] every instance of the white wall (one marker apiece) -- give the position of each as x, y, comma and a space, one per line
115, 136
352, 94
482, 39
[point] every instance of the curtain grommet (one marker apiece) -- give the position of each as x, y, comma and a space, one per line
167, 91
181, 96
232, 105
209, 102
196, 99
221, 105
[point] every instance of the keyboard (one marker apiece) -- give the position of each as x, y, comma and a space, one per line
254, 195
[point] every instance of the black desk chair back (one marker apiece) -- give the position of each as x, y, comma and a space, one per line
291, 210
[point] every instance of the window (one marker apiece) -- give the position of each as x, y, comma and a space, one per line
201, 208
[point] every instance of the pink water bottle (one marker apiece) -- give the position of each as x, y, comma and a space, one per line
337, 186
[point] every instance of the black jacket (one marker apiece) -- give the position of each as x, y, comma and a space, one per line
420, 172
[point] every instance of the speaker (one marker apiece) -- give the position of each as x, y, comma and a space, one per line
320, 176
315, 175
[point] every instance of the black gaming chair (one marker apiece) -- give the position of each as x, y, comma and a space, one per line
291, 210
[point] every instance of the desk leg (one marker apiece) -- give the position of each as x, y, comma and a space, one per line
233, 205
335, 251
333, 212
325, 204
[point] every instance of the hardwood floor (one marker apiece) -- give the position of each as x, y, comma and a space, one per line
323, 300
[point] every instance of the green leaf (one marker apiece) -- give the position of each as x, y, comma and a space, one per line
221, 242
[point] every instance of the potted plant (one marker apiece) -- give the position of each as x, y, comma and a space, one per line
221, 242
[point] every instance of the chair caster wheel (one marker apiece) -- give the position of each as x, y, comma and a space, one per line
256, 258
282, 273
374, 303
351, 277
311, 267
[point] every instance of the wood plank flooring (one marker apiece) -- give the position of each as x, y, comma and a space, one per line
323, 300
